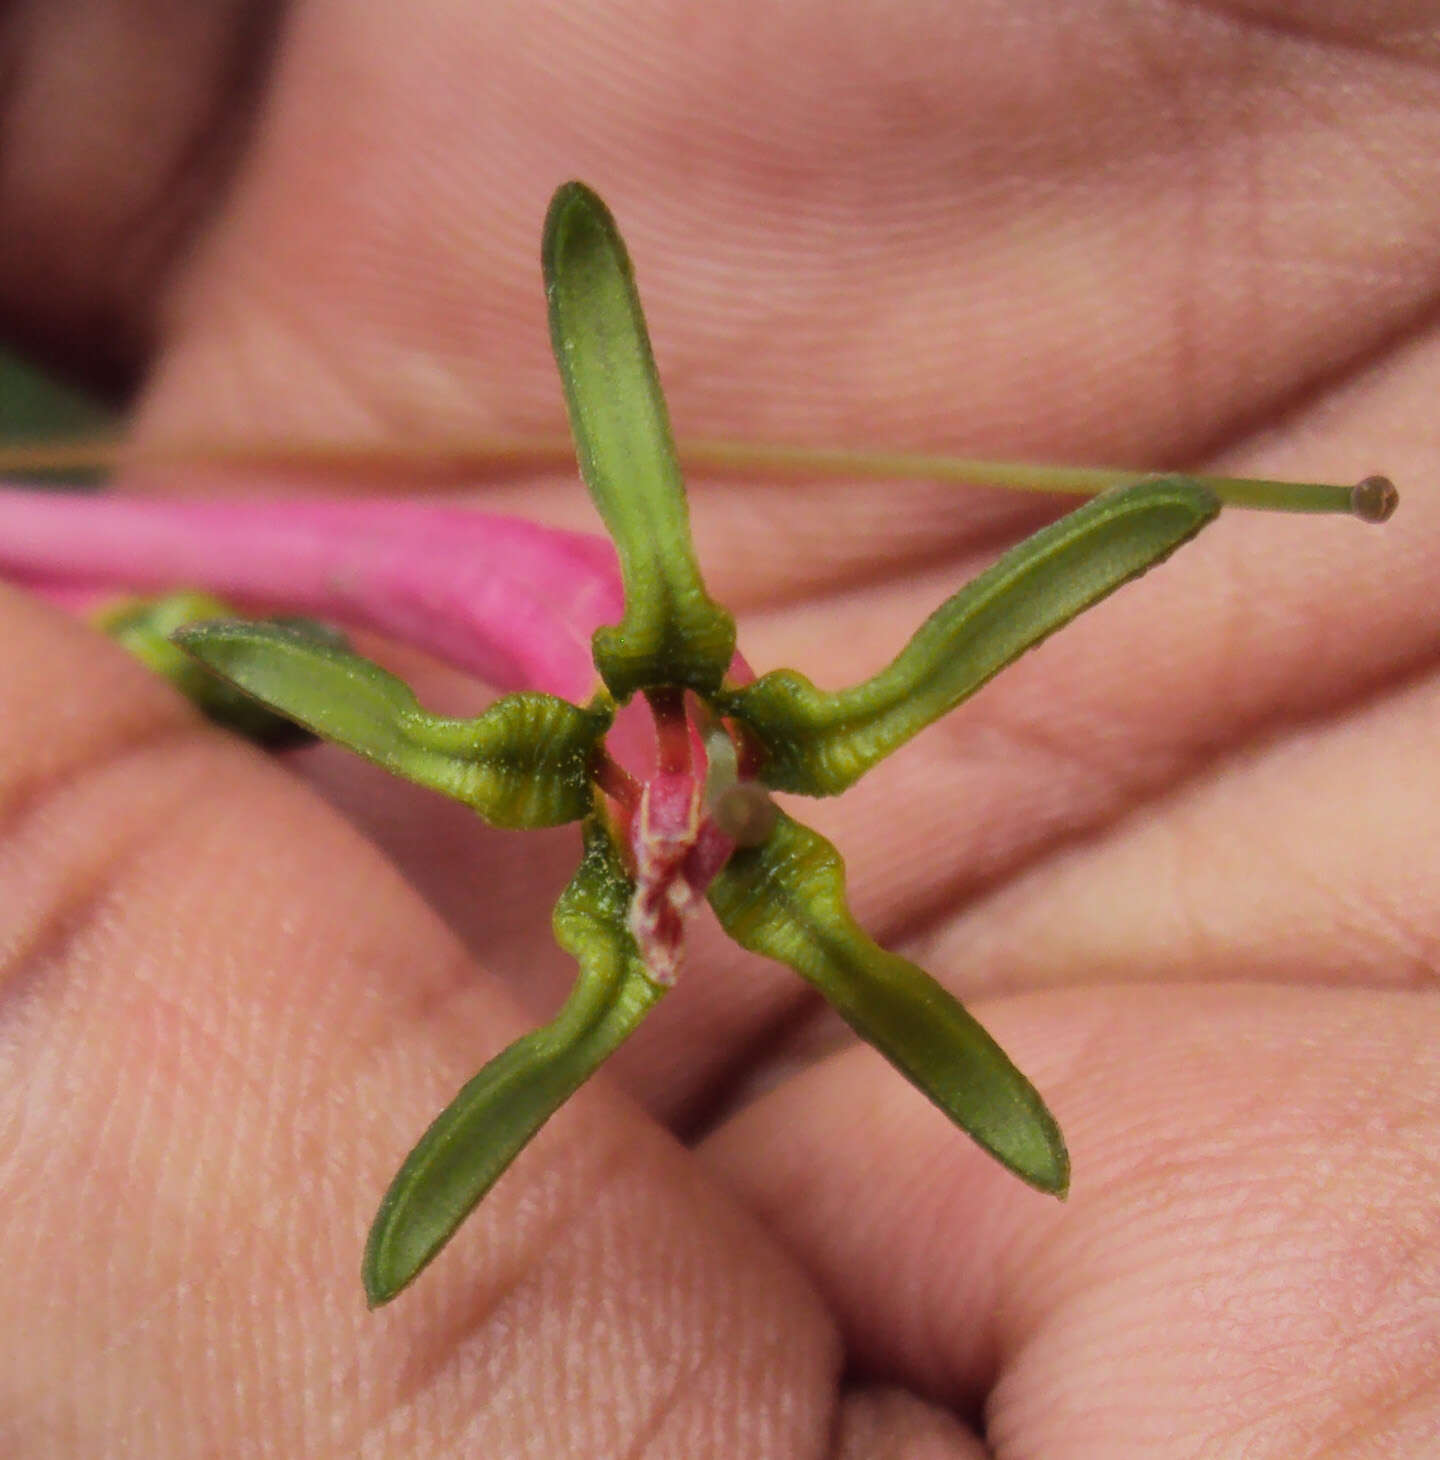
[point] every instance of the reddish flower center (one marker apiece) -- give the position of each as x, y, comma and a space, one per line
679, 824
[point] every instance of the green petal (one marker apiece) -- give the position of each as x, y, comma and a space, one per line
786, 899
672, 632
523, 763
145, 627
486, 1126
820, 743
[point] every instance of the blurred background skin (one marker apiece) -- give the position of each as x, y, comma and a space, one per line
1183, 858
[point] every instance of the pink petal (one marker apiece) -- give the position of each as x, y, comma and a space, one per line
507, 600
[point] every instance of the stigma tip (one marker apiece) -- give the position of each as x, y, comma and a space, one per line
1374, 499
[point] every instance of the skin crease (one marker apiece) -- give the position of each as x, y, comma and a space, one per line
1192, 840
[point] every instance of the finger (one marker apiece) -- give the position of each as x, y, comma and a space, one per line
122, 125
1307, 860
1245, 1256
881, 1420
224, 1021
946, 262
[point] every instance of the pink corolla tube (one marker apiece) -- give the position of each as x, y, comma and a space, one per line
509, 601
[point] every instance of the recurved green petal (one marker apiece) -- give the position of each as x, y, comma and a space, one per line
819, 743
487, 1125
786, 899
523, 763
672, 632
145, 627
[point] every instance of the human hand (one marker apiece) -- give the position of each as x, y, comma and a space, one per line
229, 1018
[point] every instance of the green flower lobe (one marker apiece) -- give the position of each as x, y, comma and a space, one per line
786, 899
819, 743
523, 763
478, 1135
672, 633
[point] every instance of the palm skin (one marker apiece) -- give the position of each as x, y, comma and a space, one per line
1191, 836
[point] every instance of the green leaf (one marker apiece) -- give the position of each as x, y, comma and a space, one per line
145, 627
524, 763
786, 899
36, 405
487, 1125
819, 743
672, 632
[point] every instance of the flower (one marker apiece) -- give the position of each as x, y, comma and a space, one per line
698, 821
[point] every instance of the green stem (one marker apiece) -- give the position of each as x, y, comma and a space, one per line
1372, 500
